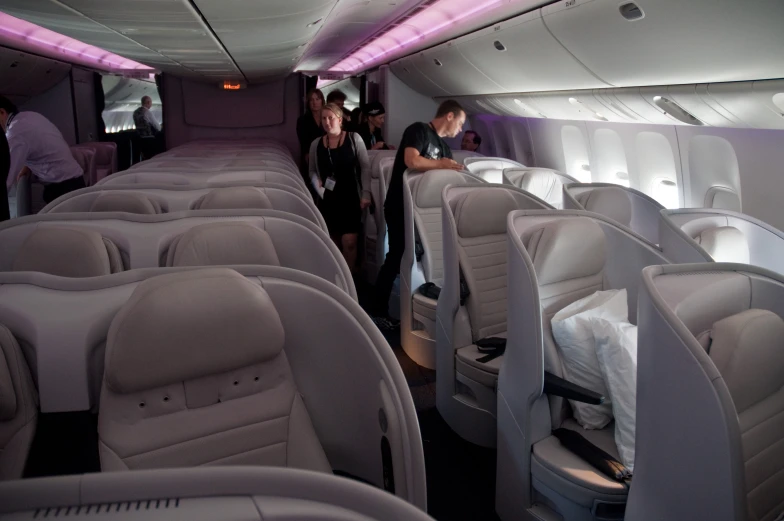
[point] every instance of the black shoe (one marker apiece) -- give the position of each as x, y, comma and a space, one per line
386, 324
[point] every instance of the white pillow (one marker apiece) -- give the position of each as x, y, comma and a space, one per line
573, 333
616, 349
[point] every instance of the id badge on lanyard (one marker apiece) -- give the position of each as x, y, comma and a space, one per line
330, 182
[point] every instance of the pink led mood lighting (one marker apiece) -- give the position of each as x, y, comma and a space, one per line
433, 19
24, 31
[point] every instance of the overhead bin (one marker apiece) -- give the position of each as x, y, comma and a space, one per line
521, 55
449, 69
674, 42
414, 78
23, 75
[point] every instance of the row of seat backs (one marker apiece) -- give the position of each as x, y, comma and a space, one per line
716, 331
474, 246
178, 164
556, 258
204, 178
255, 493
624, 205
98, 244
700, 235
86, 159
160, 198
260, 366
545, 183
491, 169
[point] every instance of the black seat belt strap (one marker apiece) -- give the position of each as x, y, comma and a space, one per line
599, 459
494, 347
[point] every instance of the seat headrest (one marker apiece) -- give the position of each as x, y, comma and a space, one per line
188, 325
125, 202
725, 244
221, 244
67, 252
483, 212
747, 349
235, 197
567, 249
7, 392
610, 201
539, 182
429, 188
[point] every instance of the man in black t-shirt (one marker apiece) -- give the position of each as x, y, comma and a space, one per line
422, 148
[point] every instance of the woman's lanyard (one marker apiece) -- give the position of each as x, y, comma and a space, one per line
329, 154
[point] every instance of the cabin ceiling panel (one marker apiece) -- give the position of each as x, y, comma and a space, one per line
57, 17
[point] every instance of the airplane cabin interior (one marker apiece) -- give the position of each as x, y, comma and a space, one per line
416, 259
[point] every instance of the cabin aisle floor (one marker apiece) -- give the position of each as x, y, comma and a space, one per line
460, 475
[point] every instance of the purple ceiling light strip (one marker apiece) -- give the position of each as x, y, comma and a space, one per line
25, 32
433, 19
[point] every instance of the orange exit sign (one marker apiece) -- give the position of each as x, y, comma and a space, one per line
232, 85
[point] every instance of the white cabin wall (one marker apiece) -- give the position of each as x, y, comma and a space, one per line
248, 113
404, 106
56, 104
651, 152
84, 105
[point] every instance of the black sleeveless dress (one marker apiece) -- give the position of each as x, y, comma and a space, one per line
340, 207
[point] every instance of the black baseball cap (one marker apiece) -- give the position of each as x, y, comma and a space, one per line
374, 108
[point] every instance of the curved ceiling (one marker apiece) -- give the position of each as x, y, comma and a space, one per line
217, 40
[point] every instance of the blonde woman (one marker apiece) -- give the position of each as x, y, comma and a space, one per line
340, 174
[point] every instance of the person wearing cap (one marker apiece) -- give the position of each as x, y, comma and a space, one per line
370, 130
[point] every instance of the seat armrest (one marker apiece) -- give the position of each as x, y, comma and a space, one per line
559, 387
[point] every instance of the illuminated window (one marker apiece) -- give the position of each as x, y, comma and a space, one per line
575, 152
665, 191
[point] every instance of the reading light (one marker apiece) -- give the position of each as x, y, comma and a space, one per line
44, 39
436, 17
311, 24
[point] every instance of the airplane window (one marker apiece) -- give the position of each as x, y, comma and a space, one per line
665, 191
655, 164
610, 157
576, 158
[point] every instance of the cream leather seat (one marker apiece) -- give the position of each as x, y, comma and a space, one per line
192, 366
215, 389
544, 183
626, 206
81, 245
18, 407
717, 331
124, 202
706, 234
86, 159
231, 494
375, 223
474, 249
222, 244
423, 260
490, 168
461, 155
105, 158
67, 252
557, 258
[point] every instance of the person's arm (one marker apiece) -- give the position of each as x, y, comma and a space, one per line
364, 166
18, 150
415, 161
315, 179
150, 118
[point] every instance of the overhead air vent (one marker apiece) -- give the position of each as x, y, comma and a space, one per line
676, 111
631, 11
438, 63
499, 46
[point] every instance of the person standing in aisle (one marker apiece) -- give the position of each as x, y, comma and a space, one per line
340, 175
370, 130
309, 127
421, 148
